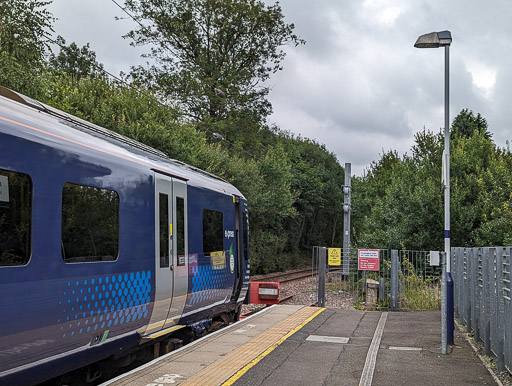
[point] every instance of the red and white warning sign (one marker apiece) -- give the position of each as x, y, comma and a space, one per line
368, 259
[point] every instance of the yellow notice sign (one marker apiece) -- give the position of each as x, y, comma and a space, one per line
218, 260
334, 256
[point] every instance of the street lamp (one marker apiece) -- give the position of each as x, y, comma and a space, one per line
436, 40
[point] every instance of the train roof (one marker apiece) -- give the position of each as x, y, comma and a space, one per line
53, 122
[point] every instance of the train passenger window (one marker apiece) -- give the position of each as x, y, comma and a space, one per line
180, 226
15, 218
213, 233
164, 229
90, 224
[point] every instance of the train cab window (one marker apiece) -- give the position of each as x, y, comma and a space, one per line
245, 225
15, 218
90, 224
213, 234
180, 226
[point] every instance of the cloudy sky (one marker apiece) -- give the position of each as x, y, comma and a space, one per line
358, 85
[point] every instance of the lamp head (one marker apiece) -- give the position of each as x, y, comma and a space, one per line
434, 40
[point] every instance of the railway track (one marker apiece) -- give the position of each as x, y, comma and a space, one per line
283, 277
287, 276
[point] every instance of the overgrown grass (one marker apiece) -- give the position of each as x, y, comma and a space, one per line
418, 293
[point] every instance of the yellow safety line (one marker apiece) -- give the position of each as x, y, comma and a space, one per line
166, 331
252, 363
151, 326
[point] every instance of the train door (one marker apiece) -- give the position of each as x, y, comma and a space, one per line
239, 243
164, 267
179, 251
244, 250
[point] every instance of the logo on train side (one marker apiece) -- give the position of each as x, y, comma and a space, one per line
229, 234
231, 259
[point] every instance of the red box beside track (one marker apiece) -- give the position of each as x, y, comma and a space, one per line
264, 292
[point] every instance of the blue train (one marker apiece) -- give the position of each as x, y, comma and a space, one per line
108, 248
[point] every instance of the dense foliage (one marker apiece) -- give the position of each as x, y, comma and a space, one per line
398, 203
23, 47
75, 61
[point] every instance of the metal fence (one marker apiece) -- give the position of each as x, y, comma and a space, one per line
481, 278
405, 281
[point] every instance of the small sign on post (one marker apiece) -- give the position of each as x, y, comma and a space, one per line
368, 259
434, 258
334, 256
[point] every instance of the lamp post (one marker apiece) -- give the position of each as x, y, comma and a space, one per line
436, 40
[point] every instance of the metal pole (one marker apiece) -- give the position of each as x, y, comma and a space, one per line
444, 337
394, 280
447, 156
347, 193
382, 288
321, 276
447, 248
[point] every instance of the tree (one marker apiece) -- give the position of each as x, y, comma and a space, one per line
23, 26
316, 180
471, 160
466, 124
212, 56
398, 204
23, 47
75, 61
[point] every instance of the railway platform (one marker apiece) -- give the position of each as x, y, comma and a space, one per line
297, 345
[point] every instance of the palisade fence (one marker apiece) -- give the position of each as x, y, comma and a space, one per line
405, 281
481, 278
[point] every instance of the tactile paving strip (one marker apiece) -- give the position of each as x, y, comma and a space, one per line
245, 356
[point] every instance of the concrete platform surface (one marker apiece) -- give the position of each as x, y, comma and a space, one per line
296, 345
215, 358
409, 353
